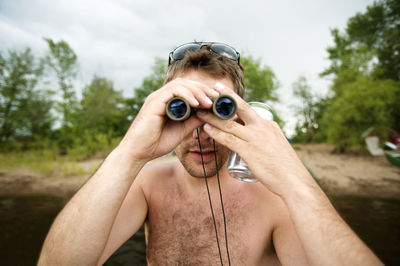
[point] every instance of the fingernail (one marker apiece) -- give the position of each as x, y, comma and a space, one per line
214, 93
219, 86
209, 101
207, 127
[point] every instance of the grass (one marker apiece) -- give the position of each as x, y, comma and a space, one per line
296, 147
43, 162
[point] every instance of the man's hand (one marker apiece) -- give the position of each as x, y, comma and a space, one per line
261, 144
151, 134
325, 237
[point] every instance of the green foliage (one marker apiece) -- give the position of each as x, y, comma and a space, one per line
101, 109
309, 113
44, 162
260, 81
62, 60
87, 127
30, 160
365, 66
90, 143
24, 109
149, 84
373, 37
379, 29
364, 103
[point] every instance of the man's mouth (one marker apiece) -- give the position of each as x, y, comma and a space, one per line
207, 155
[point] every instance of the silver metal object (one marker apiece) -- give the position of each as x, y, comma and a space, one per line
237, 167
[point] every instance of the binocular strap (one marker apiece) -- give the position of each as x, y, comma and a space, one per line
209, 198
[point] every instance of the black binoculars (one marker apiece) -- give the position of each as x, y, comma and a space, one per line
178, 109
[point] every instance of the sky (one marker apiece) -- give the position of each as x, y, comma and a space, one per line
119, 39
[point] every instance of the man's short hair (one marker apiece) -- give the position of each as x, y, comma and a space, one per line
212, 64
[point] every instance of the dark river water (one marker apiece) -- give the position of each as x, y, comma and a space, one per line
24, 222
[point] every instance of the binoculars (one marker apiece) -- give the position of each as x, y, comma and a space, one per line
178, 109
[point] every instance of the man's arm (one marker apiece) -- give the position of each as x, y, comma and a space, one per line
286, 242
80, 232
130, 217
318, 235
80, 235
325, 237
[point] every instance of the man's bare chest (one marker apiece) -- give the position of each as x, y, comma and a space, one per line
181, 230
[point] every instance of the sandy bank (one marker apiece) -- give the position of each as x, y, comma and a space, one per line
344, 174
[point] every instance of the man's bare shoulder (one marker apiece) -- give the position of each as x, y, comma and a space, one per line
157, 173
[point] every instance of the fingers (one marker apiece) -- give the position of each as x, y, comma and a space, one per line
196, 93
229, 140
229, 126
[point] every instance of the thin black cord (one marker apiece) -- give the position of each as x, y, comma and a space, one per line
209, 197
222, 205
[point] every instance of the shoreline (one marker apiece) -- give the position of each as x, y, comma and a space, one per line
351, 174
338, 175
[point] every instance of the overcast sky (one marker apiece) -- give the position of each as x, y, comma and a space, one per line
119, 39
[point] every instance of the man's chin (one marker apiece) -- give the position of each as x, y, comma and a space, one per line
194, 165
195, 168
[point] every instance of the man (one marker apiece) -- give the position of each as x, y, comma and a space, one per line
285, 218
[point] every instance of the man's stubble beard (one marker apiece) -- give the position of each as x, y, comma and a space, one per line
195, 168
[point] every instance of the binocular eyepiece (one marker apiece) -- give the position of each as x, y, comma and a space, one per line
178, 109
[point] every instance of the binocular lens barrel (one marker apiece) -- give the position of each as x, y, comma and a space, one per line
178, 109
224, 107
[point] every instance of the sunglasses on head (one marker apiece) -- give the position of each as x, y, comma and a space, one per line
217, 47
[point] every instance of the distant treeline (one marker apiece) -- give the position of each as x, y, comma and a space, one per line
365, 74
40, 108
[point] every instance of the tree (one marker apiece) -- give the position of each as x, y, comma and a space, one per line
379, 30
24, 109
260, 83
63, 61
149, 84
364, 103
259, 80
374, 34
309, 113
100, 108
365, 66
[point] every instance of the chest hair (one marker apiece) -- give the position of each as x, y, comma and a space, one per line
180, 230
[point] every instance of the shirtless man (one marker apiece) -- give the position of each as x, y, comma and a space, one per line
285, 218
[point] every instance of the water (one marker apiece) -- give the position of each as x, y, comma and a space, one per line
376, 222
24, 222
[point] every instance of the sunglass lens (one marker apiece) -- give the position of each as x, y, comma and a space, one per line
225, 50
179, 53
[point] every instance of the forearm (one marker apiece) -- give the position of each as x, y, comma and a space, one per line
81, 230
326, 238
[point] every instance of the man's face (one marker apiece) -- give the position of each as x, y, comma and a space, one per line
188, 150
